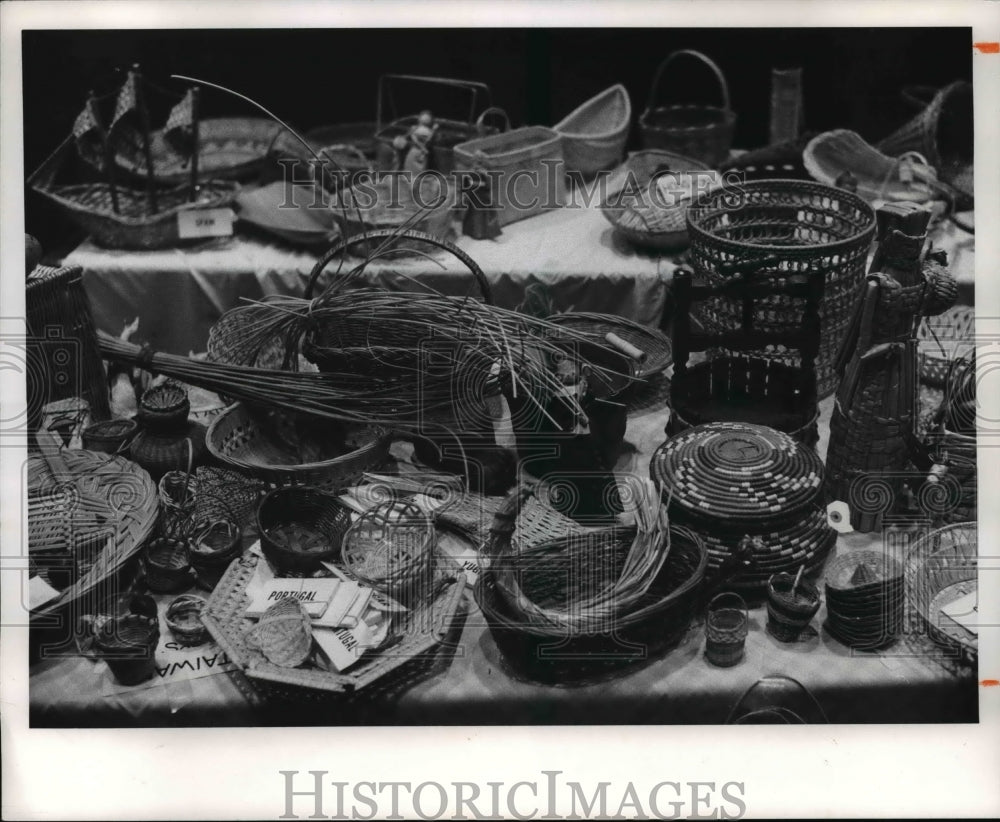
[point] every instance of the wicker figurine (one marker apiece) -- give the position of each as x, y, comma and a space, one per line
876, 407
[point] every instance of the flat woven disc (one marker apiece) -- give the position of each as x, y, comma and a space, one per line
729, 473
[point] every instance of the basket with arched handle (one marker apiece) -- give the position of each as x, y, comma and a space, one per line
704, 132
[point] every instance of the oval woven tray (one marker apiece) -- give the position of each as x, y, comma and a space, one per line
736, 473
654, 344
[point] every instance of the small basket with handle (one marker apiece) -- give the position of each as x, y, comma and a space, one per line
704, 132
726, 628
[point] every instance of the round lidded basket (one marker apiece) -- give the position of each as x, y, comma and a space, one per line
701, 131
726, 629
301, 527
168, 565
109, 436
128, 644
391, 547
809, 228
184, 620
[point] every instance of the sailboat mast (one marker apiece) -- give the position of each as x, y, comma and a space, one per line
109, 160
195, 105
140, 104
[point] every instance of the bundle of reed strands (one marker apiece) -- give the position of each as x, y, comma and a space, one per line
595, 612
483, 346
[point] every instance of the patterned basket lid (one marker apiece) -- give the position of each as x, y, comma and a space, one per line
736, 474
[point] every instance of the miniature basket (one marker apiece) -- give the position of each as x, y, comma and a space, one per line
178, 502
744, 389
943, 340
168, 565
809, 227
283, 634
696, 130
416, 637
128, 644
301, 527
183, 618
164, 406
788, 615
656, 623
239, 441
653, 344
941, 567
390, 547
214, 544
726, 628
109, 436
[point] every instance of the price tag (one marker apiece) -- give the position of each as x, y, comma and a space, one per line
205, 222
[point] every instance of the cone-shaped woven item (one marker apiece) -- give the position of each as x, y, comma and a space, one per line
284, 634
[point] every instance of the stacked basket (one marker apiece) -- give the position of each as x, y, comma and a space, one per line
747, 489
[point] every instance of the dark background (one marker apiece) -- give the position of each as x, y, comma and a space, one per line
309, 78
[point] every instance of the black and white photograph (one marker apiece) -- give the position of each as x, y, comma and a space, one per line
609, 375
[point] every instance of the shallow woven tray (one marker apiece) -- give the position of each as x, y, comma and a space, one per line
653, 343
128, 518
736, 473
940, 568
421, 631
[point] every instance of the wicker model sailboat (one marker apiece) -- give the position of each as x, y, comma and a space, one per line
121, 216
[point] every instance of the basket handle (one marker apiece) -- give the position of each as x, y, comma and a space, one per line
496, 110
730, 595
385, 91
918, 97
410, 234
723, 86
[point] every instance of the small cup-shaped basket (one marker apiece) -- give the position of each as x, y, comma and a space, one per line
164, 406
214, 544
789, 613
128, 644
301, 527
390, 547
726, 628
168, 565
283, 634
178, 491
184, 620
109, 436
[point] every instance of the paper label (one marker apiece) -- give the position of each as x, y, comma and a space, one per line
342, 648
205, 222
314, 595
462, 552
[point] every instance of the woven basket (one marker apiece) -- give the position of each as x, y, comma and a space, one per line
788, 615
283, 634
531, 170
134, 226
109, 436
696, 130
654, 344
239, 441
390, 548
178, 492
165, 406
944, 339
472, 516
809, 227
941, 567
168, 565
657, 622
301, 527
64, 358
594, 134
124, 499
652, 218
726, 628
942, 132
128, 643
214, 544
744, 389
417, 635
183, 618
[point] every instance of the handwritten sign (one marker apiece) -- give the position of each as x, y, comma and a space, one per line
205, 222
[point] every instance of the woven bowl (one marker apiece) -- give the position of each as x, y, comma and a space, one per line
109, 436
184, 620
214, 544
164, 406
301, 527
128, 643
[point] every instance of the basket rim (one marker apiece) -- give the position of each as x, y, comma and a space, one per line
695, 231
728, 118
608, 134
